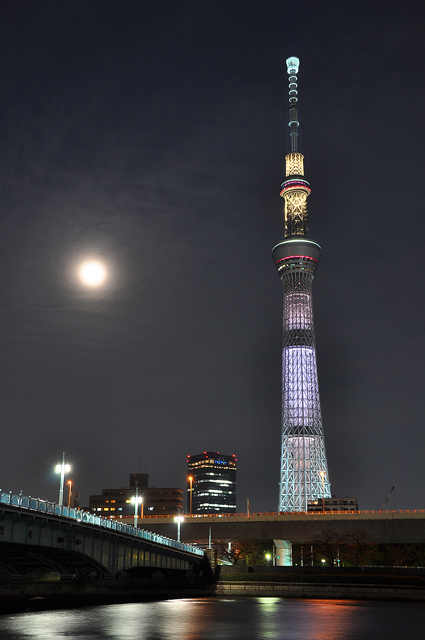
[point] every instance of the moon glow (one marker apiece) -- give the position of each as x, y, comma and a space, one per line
92, 273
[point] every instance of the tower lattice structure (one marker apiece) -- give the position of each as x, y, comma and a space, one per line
304, 469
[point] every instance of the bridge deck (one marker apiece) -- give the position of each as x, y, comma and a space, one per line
377, 526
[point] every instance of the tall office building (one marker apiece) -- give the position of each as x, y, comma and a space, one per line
211, 483
304, 470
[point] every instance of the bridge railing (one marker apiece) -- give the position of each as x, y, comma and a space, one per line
204, 516
44, 506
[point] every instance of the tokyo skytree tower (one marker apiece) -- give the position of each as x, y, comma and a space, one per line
303, 469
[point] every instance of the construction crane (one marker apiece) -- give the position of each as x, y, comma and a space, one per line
385, 500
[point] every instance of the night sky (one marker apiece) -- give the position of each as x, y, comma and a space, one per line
152, 136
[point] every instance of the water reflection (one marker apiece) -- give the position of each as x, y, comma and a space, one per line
223, 619
46, 625
168, 619
312, 619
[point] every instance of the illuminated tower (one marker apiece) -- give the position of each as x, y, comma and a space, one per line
304, 470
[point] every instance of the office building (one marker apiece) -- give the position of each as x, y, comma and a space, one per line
334, 504
211, 483
117, 503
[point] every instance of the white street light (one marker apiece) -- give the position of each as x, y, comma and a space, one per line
136, 501
62, 469
92, 273
179, 519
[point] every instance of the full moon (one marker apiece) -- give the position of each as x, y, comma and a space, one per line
92, 273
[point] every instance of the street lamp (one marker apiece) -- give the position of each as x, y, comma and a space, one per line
190, 494
137, 500
179, 519
62, 469
322, 475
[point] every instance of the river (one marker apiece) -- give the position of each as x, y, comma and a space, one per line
223, 619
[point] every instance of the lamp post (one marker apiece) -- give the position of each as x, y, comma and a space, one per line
322, 475
190, 494
62, 469
179, 519
137, 500
69, 492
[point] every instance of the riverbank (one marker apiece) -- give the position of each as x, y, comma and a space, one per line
307, 590
28, 602
352, 583
332, 583
43, 596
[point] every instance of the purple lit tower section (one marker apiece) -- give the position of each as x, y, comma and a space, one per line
304, 469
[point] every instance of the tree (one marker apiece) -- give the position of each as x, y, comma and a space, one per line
327, 544
397, 555
418, 555
358, 550
228, 551
244, 551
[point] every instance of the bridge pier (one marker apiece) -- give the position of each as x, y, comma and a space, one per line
282, 553
212, 558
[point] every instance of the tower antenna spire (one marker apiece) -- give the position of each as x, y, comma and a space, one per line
294, 189
292, 65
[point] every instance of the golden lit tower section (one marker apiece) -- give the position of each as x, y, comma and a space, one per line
303, 470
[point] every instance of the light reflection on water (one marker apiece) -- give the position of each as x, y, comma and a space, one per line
223, 619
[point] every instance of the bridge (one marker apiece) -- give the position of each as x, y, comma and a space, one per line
389, 527
41, 536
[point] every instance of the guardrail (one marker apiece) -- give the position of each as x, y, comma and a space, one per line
284, 513
43, 506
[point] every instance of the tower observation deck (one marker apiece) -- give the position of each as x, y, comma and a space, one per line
303, 468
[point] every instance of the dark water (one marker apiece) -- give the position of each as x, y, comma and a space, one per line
220, 619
